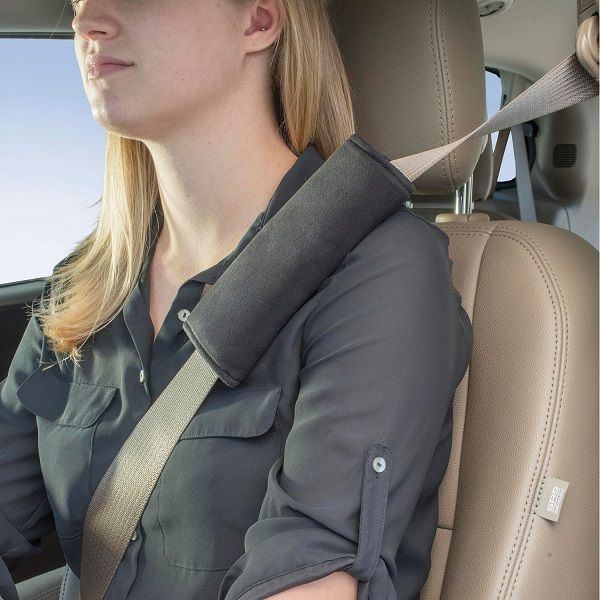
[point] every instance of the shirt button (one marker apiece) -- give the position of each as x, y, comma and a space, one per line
183, 314
379, 464
142, 376
134, 536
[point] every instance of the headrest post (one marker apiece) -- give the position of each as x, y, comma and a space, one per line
463, 198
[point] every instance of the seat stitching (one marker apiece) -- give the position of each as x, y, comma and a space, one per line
448, 96
442, 139
537, 261
563, 306
511, 234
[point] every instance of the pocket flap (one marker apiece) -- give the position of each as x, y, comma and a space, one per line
234, 412
67, 403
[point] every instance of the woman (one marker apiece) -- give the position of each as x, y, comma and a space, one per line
317, 476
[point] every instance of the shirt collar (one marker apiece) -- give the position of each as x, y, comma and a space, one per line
307, 163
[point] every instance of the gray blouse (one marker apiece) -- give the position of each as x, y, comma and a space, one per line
327, 457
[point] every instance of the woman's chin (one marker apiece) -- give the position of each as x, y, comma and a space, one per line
120, 124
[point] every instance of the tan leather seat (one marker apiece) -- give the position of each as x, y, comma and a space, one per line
527, 408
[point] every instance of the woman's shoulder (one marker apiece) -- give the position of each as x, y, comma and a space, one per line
32, 353
404, 245
403, 261
403, 232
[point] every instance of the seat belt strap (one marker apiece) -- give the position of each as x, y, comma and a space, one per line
123, 492
501, 142
568, 83
353, 173
523, 176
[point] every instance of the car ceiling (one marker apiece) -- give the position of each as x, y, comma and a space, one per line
529, 37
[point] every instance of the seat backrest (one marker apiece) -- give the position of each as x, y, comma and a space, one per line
526, 411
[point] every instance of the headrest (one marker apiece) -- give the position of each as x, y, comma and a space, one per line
417, 74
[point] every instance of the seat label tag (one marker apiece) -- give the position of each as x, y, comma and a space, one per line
552, 497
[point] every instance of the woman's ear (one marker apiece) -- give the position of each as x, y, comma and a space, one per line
265, 23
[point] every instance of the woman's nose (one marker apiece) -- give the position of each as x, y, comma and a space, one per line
93, 18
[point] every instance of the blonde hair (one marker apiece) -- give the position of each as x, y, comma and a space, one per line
314, 106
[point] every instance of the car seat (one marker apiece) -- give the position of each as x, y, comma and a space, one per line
526, 411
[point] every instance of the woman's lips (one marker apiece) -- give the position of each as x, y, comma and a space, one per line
104, 69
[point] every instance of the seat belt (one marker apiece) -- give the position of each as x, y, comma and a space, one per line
501, 141
525, 198
527, 210
355, 189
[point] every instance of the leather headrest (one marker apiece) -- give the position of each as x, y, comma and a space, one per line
417, 74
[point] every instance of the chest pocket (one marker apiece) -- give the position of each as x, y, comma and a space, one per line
67, 416
213, 484
63, 402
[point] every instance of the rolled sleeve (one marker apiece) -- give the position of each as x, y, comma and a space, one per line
25, 514
384, 350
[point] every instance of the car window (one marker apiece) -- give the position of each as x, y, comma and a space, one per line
51, 157
493, 88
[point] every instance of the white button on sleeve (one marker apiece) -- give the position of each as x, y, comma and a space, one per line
142, 378
379, 464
